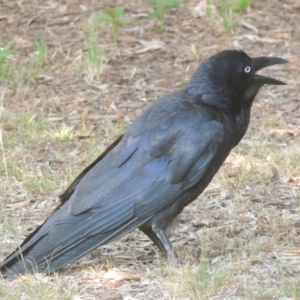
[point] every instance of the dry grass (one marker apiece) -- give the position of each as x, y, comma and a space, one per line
66, 97
40, 287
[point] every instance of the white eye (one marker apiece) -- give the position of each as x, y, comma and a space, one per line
247, 69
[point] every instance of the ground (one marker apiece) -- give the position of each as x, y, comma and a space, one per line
68, 89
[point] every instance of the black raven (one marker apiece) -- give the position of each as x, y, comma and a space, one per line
146, 177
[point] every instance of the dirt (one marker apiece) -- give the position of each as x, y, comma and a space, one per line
146, 62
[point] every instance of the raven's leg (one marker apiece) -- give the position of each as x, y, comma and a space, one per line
155, 239
165, 242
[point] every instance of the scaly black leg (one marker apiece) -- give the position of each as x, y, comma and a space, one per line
155, 239
164, 240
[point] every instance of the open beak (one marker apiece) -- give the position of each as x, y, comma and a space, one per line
259, 63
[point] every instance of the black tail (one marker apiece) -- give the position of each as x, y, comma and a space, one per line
56, 244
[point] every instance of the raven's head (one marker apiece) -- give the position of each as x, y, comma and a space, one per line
232, 73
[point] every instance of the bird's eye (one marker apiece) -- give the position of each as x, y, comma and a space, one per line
247, 69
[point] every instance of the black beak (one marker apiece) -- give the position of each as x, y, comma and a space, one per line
259, 63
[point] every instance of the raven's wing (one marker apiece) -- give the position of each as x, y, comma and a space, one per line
152, 165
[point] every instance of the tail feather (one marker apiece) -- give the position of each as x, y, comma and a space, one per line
50, 251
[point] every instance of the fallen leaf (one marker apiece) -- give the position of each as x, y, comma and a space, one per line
290, 131
153, 42
43, 78
18, 204
149, 48
248, 26
113, 284
251, 263
123, 275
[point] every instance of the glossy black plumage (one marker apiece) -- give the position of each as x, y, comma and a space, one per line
162, 163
